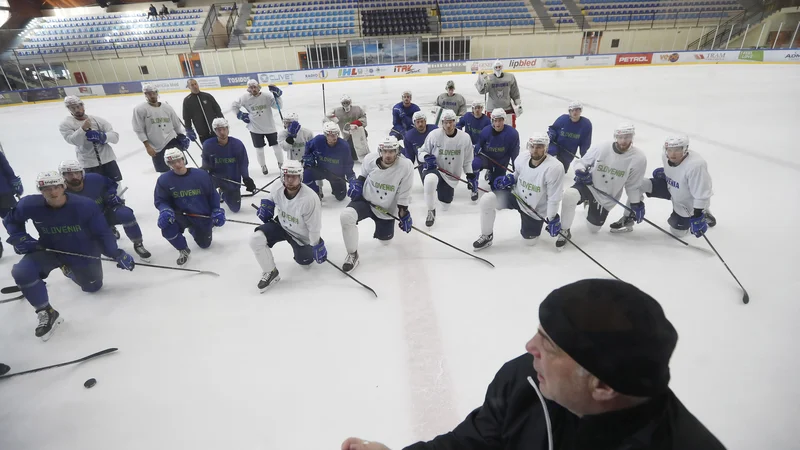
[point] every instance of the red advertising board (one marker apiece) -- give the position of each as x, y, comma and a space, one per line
634, 58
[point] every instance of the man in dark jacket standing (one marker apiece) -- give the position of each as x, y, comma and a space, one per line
600, 361
199, 111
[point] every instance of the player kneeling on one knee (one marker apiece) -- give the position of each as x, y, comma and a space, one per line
298, 221
328, 157
382, 190
66, 223
186, 198
225, 158
534, 189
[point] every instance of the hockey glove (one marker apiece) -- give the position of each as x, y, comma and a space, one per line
356, 189
310, 160
183, 142
583, 177
124, 260
96, 137
191, 134
266, 210
504, 182
320, 252
638, 211
429, 163
293, 129
472, 180
355, 124
249, 184
276, 91
518, 109
243, 116
165, 218
218, 217
478, 149
698, 224
113, 200
16, 184
405, 220
23, 243
554, 226
658, 174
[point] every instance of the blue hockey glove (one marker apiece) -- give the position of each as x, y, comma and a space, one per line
429, 163
472, 180
16, 184
113, 200
552, 134
477, 149
356, 189
658, 174
183, 142
638, 211
310, 159
243, 116
218, 217
266, 210
405, 220
504, 182
698, 224
583, 177
554, 226
97, 137
276, 91
165, 218
191, 134
124, 260
293, 129
320, 252
23, 243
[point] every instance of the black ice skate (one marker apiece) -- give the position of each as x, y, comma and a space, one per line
4, 369
710, 219
623, 225
350, 262
562, 239
49, 320
429, 221
115, 232
183, 257
138, 247
484, 241
264, 170
268, 279
474, 196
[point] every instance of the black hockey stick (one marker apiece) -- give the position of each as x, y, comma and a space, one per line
324, 110
521, 200
746, 296
452, 175
155, 266
75, 361
9, 300
10, 290
202, 216
242, 184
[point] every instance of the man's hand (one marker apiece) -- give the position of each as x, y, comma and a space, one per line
360, 444
150, 150
87, 125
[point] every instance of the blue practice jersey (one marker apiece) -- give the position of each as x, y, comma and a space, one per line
337, 159
570, 135
192, 192
78, 227
502, 146
7, 175
97, 188
413, 140
227, 161
473, 126
402, 117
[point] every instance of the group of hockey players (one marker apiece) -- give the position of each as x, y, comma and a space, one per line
78, 206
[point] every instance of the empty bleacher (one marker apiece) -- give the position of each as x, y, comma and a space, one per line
485, 13
608, 11
381, 22
302, 19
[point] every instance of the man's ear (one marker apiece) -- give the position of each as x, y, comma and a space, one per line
602, 392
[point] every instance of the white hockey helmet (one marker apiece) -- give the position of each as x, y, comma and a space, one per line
291, 117
676, 142
147, 87
497, 66
389, 143
450, 85
49, 178
72, 100
624, 129
219, 122
330, 128
448, 114
345, 99
70, 166
477, 104
575, 105
406, 92
498, 113
538, 139
172, 155
252, 82
291, 167
419, 115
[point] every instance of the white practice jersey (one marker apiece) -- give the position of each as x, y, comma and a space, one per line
300, 216
260, 110
88, 153
541, 187
157, 124
343, 119
456, 103
689, 184
612, 171
389, 187
501, 90
298, 149
453, 154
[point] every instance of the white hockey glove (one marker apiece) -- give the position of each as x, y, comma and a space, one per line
517, 109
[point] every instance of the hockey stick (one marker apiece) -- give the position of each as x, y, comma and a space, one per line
193, 140
241, 184
341, 270
155, 266
444, 171
68, 363
324, 109
9, 300
201, 216
10, 289
522, 201
277, 104
746, 296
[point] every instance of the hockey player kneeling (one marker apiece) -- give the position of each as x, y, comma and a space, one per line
292, 214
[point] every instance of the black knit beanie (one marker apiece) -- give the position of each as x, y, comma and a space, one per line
613, 330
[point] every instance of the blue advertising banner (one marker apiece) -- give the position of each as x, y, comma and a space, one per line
129, 87
239, 79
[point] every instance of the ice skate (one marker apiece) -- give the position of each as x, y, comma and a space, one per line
183, 257
138, 247
562, 239
623, 225
350, 262
710, 219
264, 170
484, 241
268, 279
49, 320
429, 221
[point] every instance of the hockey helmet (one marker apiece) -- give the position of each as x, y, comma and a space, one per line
538, 139
70, 166
219, 122
172, 155
49, 178
448, 114
330, 128
677, 142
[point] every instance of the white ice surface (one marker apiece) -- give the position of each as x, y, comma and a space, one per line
209, 363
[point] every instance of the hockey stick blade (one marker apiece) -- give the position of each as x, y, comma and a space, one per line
9, 300
746, 296
352, 278
85, 358
10, 289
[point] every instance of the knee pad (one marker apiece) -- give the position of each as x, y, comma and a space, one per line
571, 197
429, 182
385, 241
203, 241
593, 228
348, 217
530, 241
340, 196
445, 206
24, 272
92, 286
678, 233
488, 202
258, 240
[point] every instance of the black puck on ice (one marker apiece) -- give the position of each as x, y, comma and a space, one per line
90, 383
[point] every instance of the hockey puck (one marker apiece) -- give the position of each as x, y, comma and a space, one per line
90, 383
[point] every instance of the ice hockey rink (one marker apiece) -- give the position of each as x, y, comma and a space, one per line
210, 363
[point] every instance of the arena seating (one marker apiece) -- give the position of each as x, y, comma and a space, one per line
644, 10
302, 19
484, 13
381, 22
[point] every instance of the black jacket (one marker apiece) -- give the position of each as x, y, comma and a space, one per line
512, 418
199, 112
